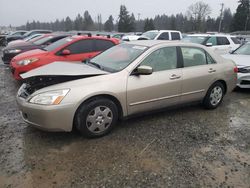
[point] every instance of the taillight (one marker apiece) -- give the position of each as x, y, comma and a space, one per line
235, 69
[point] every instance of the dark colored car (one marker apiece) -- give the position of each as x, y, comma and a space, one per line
14, 36
13, 50
27, 34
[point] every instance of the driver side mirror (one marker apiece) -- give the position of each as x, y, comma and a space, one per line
209, 44
143, 70
65, 52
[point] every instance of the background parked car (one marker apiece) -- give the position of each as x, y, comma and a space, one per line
241, 57
14, 36
27, 34
27, 39
75, 48
220, 43
155, 35
129, 78
11, 51
161, 35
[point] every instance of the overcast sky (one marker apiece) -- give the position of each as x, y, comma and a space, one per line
18, 12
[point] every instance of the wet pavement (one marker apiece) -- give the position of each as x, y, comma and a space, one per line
184, 147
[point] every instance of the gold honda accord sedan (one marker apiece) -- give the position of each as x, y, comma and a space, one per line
127, 79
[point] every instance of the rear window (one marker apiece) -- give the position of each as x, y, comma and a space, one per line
235, 40
222, 41
175, 36
163, 36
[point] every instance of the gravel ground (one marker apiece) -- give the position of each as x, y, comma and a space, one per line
184, 147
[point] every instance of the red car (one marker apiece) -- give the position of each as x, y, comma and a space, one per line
74, 48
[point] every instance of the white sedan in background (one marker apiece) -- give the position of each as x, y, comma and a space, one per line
241, 57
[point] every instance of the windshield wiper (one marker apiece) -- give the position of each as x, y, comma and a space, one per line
95, 64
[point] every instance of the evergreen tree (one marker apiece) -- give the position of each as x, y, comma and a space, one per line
149, 25
109, 25
241, 17
125, 23
78, 23
68, 24
87, 20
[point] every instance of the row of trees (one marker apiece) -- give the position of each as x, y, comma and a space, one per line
196, 19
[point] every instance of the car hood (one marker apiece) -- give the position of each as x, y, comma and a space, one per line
16, 43
240, 60
58, 72
64, 69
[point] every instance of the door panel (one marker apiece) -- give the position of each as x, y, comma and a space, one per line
160, 89
197, 74
149, 92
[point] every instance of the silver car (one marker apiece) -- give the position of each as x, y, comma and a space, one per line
127, 79
241, 57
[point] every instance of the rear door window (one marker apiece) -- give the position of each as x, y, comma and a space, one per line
175, 36
235, 40
102, 45
193, 56
82, 46
163, 36
222, 41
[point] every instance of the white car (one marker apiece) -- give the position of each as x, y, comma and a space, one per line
220, 43
156, 35
161, 35
241, 57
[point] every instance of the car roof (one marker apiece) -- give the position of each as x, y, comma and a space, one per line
150, 43
78, 37
209, 35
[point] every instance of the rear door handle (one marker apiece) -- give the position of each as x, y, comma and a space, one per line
211, 70
174, 77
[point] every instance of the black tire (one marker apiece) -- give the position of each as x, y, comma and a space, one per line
85, 110
208, 102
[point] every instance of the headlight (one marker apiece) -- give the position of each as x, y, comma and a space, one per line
50, 97
27, 61
13, 51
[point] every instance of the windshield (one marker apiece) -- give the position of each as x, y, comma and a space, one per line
43, 40
30, 38
118, 57
150, 34
243, 50
195, 39
28, 34
58, 43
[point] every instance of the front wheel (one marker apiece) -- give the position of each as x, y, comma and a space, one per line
96, 118
214, 96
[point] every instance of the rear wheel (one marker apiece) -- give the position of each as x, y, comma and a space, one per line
214, 96
96, 118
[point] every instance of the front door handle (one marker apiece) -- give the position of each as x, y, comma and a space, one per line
174, 77
211, 70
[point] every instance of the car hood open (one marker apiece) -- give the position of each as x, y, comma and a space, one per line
57, 72
240, 60
63, 69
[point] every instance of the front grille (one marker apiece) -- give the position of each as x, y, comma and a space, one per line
245, 82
